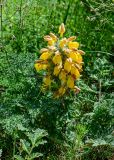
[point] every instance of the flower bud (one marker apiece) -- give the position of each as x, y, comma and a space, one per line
71, 38
81, 52
62, 29
53, 36
43, 50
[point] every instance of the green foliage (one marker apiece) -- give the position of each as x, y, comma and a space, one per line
79, 126
26, 147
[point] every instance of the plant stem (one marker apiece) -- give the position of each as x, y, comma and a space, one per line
14, 143
99, 90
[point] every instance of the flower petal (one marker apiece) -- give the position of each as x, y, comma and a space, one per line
57, 58
70, 82
62, 76
68, 64
62, 90
57, 70
75, 72
62, 42
45, 55
72, 45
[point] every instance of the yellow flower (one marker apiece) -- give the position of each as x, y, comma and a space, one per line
66, 51
49, 40
52, 49
79, 66
45, 55
70, 82
79, 59
75, 57
75, 72
68, 64
43, 50
62, 29
62, 76
39, 66
71, 38
62, 90
47, 80
57, 58
81, 52
73, 45
53, 36
62, 42
57, 70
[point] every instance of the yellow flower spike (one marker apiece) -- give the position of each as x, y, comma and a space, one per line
62, 42
62, 90
70, 82
53, 36
72, 45
75, 72
57, 69
57, 58
62, 76
47, 80
45, 55
61, 61
62, 29
68, 64
71, 38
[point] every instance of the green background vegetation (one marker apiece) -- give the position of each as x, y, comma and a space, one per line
33, 124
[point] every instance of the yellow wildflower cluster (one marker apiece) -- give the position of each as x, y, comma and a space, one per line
61, 62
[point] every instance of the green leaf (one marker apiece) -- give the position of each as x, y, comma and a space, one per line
35, 155
25, 145
36, 136
18, 157
99, 142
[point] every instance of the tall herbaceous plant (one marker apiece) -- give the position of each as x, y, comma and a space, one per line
60, 64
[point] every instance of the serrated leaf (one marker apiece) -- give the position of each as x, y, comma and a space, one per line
41, 142
21, 128
99, 142
36, 136
35, 155
25, 145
